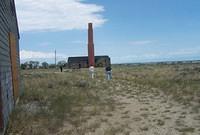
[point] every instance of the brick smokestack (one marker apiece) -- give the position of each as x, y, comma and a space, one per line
91, 58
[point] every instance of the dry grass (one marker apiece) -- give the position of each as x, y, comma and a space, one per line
147, 97
180, 81
50, 98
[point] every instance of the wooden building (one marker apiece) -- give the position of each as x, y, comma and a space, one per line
82, 62
9, 61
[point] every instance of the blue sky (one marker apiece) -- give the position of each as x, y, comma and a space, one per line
128, 31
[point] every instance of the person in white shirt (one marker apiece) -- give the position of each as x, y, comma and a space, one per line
91, 72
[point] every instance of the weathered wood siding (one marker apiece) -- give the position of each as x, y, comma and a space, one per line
8, 23
1, 114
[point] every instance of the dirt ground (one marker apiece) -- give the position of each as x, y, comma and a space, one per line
138, 101
147, 113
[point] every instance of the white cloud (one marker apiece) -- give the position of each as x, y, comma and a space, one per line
179, 54
24, 54
186, 51
136, 58
57, 15
142, 42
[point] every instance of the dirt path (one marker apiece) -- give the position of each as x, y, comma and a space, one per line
144, 113
149, 114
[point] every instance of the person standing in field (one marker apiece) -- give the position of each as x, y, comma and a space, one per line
108, 73
91, 72
61, 68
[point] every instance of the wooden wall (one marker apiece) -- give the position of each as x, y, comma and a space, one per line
8, 23
1, 113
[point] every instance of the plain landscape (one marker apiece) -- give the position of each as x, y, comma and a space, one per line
154, 99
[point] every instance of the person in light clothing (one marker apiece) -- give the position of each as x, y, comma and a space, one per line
91, 72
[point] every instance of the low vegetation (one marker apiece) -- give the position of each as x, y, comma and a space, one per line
144, 99
180, 81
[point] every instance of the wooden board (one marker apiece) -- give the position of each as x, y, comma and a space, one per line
13, 57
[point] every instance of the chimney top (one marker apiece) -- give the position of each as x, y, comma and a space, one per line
90, 24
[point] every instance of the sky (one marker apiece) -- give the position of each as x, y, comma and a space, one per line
129, 31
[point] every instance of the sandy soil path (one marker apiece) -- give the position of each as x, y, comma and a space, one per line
146, 113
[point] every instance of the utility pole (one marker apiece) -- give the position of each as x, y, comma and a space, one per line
55, 59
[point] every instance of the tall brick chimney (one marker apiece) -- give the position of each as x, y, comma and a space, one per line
91, 58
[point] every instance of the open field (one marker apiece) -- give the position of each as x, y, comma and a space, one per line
140, 100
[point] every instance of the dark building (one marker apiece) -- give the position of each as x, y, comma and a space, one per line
9, 61
82, 62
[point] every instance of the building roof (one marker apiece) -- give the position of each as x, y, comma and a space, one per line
85, 58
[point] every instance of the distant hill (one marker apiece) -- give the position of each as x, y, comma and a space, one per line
163, 63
